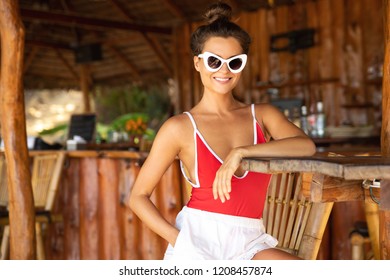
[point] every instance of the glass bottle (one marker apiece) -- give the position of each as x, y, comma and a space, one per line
303, 120
320, 120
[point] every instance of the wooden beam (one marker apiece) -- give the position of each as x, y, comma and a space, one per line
121, 9
85, 85
158, 49
30, 58
149, 39
331, 189
126, 61
384, 207
71, 20
52, 45
66, 5
13, 128
67, 64
172, 6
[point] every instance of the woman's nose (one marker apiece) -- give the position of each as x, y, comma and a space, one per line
224, 67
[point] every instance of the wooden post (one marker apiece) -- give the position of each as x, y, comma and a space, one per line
85, 87
13, 126
89, 208
384, 207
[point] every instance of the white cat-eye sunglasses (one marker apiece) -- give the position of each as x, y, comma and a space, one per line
214, 62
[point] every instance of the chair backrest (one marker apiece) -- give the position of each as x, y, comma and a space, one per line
3, 182
291, 217
286, 211
45, 176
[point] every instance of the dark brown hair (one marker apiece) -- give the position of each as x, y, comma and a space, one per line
218, 17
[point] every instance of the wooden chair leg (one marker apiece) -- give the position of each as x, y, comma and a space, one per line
40, 245
316, 224
372, 218
4, 249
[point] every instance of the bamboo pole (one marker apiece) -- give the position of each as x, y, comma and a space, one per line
85, 87
13, 128
384, 208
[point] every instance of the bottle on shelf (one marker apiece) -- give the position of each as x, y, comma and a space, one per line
317, 121
320, 120
303, 120
312, 124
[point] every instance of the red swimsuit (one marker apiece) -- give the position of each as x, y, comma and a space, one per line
248, 191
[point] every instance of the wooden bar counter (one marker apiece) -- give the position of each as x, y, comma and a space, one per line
92, 200
336, 179
96, 223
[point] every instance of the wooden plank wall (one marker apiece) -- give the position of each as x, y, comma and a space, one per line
349, 39
97, 224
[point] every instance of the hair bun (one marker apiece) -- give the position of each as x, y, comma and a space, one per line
218, 11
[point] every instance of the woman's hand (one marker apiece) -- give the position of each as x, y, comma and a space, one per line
222, 183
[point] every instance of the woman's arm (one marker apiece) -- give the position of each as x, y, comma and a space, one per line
287, 140
166, 147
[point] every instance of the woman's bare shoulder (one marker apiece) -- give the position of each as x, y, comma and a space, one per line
265, 107
177, 125
264, 110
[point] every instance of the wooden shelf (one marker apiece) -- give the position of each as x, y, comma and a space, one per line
358, 106
376, 81
373, 140
299, 83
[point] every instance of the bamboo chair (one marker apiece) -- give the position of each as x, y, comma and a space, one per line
3, 184
292, 218
45, 177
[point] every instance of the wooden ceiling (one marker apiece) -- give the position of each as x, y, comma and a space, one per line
135, 38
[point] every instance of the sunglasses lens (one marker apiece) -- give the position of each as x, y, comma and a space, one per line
235, 64
213, 62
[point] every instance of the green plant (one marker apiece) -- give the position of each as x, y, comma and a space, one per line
113, 103
122, 122
54, 130
117, 106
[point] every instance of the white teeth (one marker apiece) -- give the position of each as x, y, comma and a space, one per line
222, 79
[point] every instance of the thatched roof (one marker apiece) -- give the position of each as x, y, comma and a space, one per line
135, 38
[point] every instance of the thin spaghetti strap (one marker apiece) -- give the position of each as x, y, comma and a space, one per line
192, 119
254, 124
196, 184
253, 111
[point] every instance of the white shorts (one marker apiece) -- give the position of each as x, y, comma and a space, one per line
212, 236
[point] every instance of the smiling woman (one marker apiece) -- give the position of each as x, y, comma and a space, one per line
223, 217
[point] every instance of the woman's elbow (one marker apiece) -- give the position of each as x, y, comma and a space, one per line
310, 147
132, 201
136, 201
